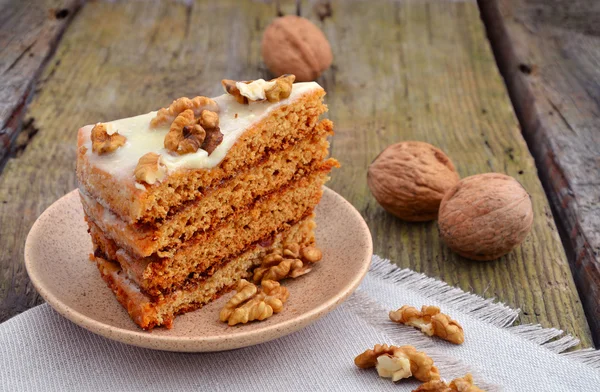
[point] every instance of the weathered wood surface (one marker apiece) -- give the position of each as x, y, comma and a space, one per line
402, 70
29, 31
548, 53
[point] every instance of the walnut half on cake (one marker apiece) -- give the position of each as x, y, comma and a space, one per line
184, 202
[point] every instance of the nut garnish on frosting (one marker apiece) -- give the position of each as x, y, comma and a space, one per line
250, 303
103, 142
431, 322
185, 135
259, 90
150, 169
197, 105
192, 129
398, 362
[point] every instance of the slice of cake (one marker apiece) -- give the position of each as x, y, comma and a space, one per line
184, 202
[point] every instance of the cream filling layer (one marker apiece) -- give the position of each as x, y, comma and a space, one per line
234, 119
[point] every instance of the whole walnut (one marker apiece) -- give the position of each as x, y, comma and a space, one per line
485, 216
294, 45
409, 180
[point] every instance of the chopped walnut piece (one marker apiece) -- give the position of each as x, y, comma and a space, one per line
395, 367
431, 322
231, 89
272, 259
208, 119
250, 303
187, 133
193, 138
291, 268
274, 289
434, 386
282, 88
149, 168
311, 254
291, 250
102, 142
184, 135
292, 262
213, 138
273, 90
463, 384
197, 105
398, 362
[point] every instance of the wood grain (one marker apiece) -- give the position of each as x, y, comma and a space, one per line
548, 53
29, 32
420, 70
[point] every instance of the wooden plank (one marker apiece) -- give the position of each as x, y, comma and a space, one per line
402, 70
424, 71
548, 53
29, 31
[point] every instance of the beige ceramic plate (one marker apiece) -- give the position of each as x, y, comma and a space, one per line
56, 257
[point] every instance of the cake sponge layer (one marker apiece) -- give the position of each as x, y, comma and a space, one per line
134, 202
149, 312
269, 215
216, 204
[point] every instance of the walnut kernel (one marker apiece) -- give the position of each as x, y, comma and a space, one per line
398, 362
431, 322
185, 135
197, 105
273, 90
463, 384
282, 88
433, 386
208, 119
291, 250
292, 262
311, 254
395, 367
213, 138
250, 303
149, 169
102, 142
231, 88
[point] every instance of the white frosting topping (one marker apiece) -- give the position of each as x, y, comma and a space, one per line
234, 119
254, 91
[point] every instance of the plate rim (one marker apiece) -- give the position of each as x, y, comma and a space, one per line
195, 343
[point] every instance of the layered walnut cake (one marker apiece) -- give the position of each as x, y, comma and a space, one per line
184, 202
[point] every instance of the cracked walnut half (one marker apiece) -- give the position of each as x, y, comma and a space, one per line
291, 262
194, 125
431, 322
150, 168
398, 362
251, 303
463, 384
197, 105
274, 90
103, 142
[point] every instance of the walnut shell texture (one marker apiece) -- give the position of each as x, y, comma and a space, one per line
409, 180
485, 216
294, 45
